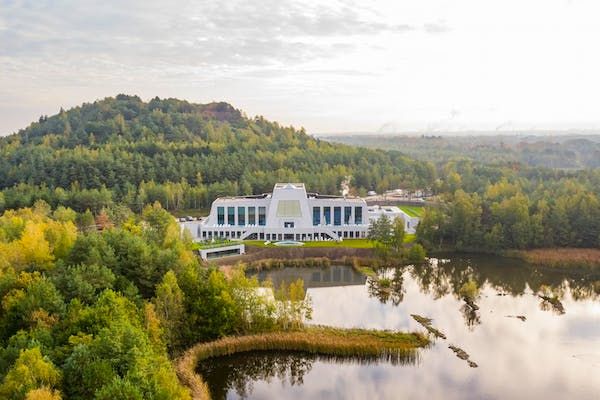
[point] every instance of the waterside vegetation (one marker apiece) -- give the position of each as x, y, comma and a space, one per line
391, 346
569, 258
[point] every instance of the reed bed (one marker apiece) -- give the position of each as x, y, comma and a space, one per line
385, 345
274, 263
563, 257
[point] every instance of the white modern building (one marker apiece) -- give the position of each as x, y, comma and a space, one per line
288, 213
393, 212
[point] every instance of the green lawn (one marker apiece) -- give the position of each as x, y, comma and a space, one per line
413, 211
198, 246
409, 237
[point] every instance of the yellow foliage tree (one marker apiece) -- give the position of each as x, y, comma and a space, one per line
30, 371
43, 393
61, 236
33, 247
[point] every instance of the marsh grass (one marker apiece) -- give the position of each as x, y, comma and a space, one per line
562, 257
275, 263
395, 347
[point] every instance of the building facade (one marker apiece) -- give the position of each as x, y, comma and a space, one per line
288, 213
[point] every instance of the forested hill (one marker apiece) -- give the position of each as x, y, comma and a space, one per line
182, 154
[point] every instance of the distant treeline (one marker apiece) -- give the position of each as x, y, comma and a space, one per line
550, 151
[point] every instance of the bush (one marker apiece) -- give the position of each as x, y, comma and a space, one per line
469, 290
416, 254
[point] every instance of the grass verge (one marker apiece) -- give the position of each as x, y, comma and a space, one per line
393, 346
208, 245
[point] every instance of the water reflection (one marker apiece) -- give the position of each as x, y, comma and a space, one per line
239, 372
524, 347
237, 376
337, 275
471, 316
507, 276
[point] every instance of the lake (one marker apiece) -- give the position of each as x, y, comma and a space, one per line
553, 354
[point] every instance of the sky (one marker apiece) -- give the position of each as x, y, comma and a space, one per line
328, 66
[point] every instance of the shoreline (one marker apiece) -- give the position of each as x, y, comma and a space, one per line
318, 340
560, 258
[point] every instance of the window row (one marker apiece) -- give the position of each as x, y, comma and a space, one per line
322, 216
241, 214
208, 235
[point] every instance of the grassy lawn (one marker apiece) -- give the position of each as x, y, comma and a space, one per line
198, 246
413, 211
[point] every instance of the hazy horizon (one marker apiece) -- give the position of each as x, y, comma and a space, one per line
341, 66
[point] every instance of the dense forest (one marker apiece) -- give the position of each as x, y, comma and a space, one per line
86, 314
506, 192
490, 208
124, 150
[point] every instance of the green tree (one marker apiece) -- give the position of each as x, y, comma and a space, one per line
398, 233
83, 282
30, 371
465, 220
380, 232
119, 388
416, 254
170, 308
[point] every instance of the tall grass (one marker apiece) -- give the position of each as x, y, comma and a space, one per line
274, 263
563, 257
392, 346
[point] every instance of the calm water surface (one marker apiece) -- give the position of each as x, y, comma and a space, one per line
550, 355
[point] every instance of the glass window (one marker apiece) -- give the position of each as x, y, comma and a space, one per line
241, 216
327, 215
231, 215
262, 216
221, 215
316, 216
358, 215
251, 215
337, 215
347, 215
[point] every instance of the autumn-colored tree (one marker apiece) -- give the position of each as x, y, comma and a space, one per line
103, 221
30, 371
43, 393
